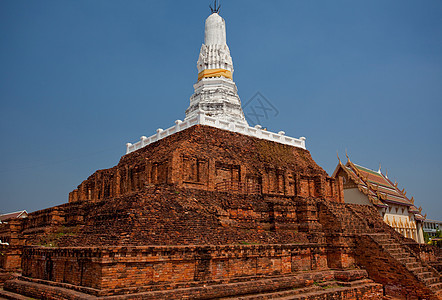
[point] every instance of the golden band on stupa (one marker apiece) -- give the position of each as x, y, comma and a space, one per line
215, 73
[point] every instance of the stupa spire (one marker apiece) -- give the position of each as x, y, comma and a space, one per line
215, 101
215, 91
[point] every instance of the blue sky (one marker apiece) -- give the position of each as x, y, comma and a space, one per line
79, 79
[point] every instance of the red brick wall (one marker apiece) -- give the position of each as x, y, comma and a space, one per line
10, 255
119, 267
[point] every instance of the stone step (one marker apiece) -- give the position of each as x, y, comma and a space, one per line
412, 265
417, 270
403, 258
392, 247
424, 275
400, 255
318, 290
389, 244
407, 260
323, 294
278, 295
430, 280
12, 296
355, 283
379, 235
383, 241
436, 286
397, 251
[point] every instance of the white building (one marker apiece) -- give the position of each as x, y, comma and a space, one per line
432, 226
368, 187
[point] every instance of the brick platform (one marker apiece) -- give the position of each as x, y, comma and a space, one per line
211, 213
115, 268
307, 285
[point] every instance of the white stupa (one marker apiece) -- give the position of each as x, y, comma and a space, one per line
215, 92
215, 101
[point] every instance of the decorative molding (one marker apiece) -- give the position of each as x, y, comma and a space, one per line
202, 119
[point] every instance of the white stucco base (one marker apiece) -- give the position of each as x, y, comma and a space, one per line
202, 119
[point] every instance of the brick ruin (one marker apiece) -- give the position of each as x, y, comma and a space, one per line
196, 160
207, 214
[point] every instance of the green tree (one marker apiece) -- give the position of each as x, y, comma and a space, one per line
426, 237
437, 239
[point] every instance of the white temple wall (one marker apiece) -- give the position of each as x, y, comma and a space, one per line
398, 217
354, 196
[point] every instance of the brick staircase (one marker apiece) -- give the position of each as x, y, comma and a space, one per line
382, 251
422, 272
344, 220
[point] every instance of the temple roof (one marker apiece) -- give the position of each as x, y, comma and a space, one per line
14, 215
379, 189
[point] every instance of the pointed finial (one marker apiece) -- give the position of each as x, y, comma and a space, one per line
412, 200
425, 216
346, 154
420, 209
379, 171
337, 154
386, 173
216, 8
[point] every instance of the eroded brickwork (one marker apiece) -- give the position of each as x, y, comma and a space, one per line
211, 159
123, 267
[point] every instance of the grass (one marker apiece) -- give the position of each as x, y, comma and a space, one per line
248, 243
52, 239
